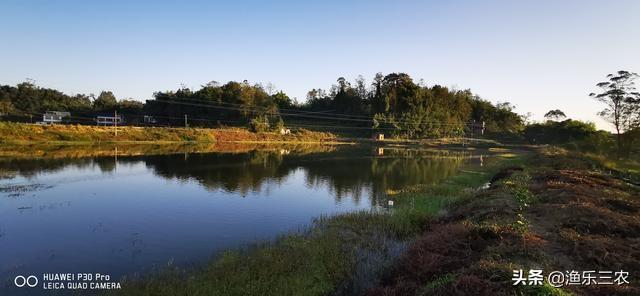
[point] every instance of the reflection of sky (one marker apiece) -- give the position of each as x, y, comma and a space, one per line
131, 219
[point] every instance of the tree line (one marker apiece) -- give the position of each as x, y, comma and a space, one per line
392, 104
621, 102
404, 108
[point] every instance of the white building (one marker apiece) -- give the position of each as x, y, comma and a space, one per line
109, 120
148, 119
51, 117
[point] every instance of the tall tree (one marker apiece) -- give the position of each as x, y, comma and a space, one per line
282, 100
105, 101
378, 103
621, 99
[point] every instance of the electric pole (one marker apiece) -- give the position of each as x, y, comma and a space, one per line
185, 121
473, 128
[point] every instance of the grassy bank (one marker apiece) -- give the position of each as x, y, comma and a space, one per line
558, 211
20, 133
344, 254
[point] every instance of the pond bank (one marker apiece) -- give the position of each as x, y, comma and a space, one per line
117, 149
20, 133
558, 211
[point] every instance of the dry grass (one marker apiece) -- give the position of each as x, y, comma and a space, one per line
18, 133
571, 218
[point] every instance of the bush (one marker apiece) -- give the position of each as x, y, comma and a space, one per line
259, 124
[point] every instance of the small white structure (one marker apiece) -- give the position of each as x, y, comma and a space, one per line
51, 117
148, 119
378, 137
109, 120
285, 131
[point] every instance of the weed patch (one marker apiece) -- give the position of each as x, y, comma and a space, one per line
554, 212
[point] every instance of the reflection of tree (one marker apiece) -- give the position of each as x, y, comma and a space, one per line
6, 173
237, 172
397, 170
30, 167
46, 158
347, 172
106, 165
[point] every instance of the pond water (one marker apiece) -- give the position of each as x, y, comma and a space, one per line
121, 215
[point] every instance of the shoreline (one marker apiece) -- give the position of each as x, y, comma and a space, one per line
52, 150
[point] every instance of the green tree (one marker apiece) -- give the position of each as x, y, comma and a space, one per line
27, 97
621, 99
105, 101
130, 106
282, 100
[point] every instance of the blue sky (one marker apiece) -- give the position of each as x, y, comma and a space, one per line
539, 55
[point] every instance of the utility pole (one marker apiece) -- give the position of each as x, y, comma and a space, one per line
185, 121
483, 128
473, 128
115, 121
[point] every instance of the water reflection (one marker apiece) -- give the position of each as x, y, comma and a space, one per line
346, 172
126, 212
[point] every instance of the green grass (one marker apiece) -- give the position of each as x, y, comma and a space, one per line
339, 253
433, 199
437, 283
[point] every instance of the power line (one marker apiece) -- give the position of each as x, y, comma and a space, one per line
305, 115
260, 109
91, 119
196, 100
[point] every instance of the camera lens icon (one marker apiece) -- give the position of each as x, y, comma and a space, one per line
30, 281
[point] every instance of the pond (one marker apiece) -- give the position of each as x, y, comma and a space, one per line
119, 213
